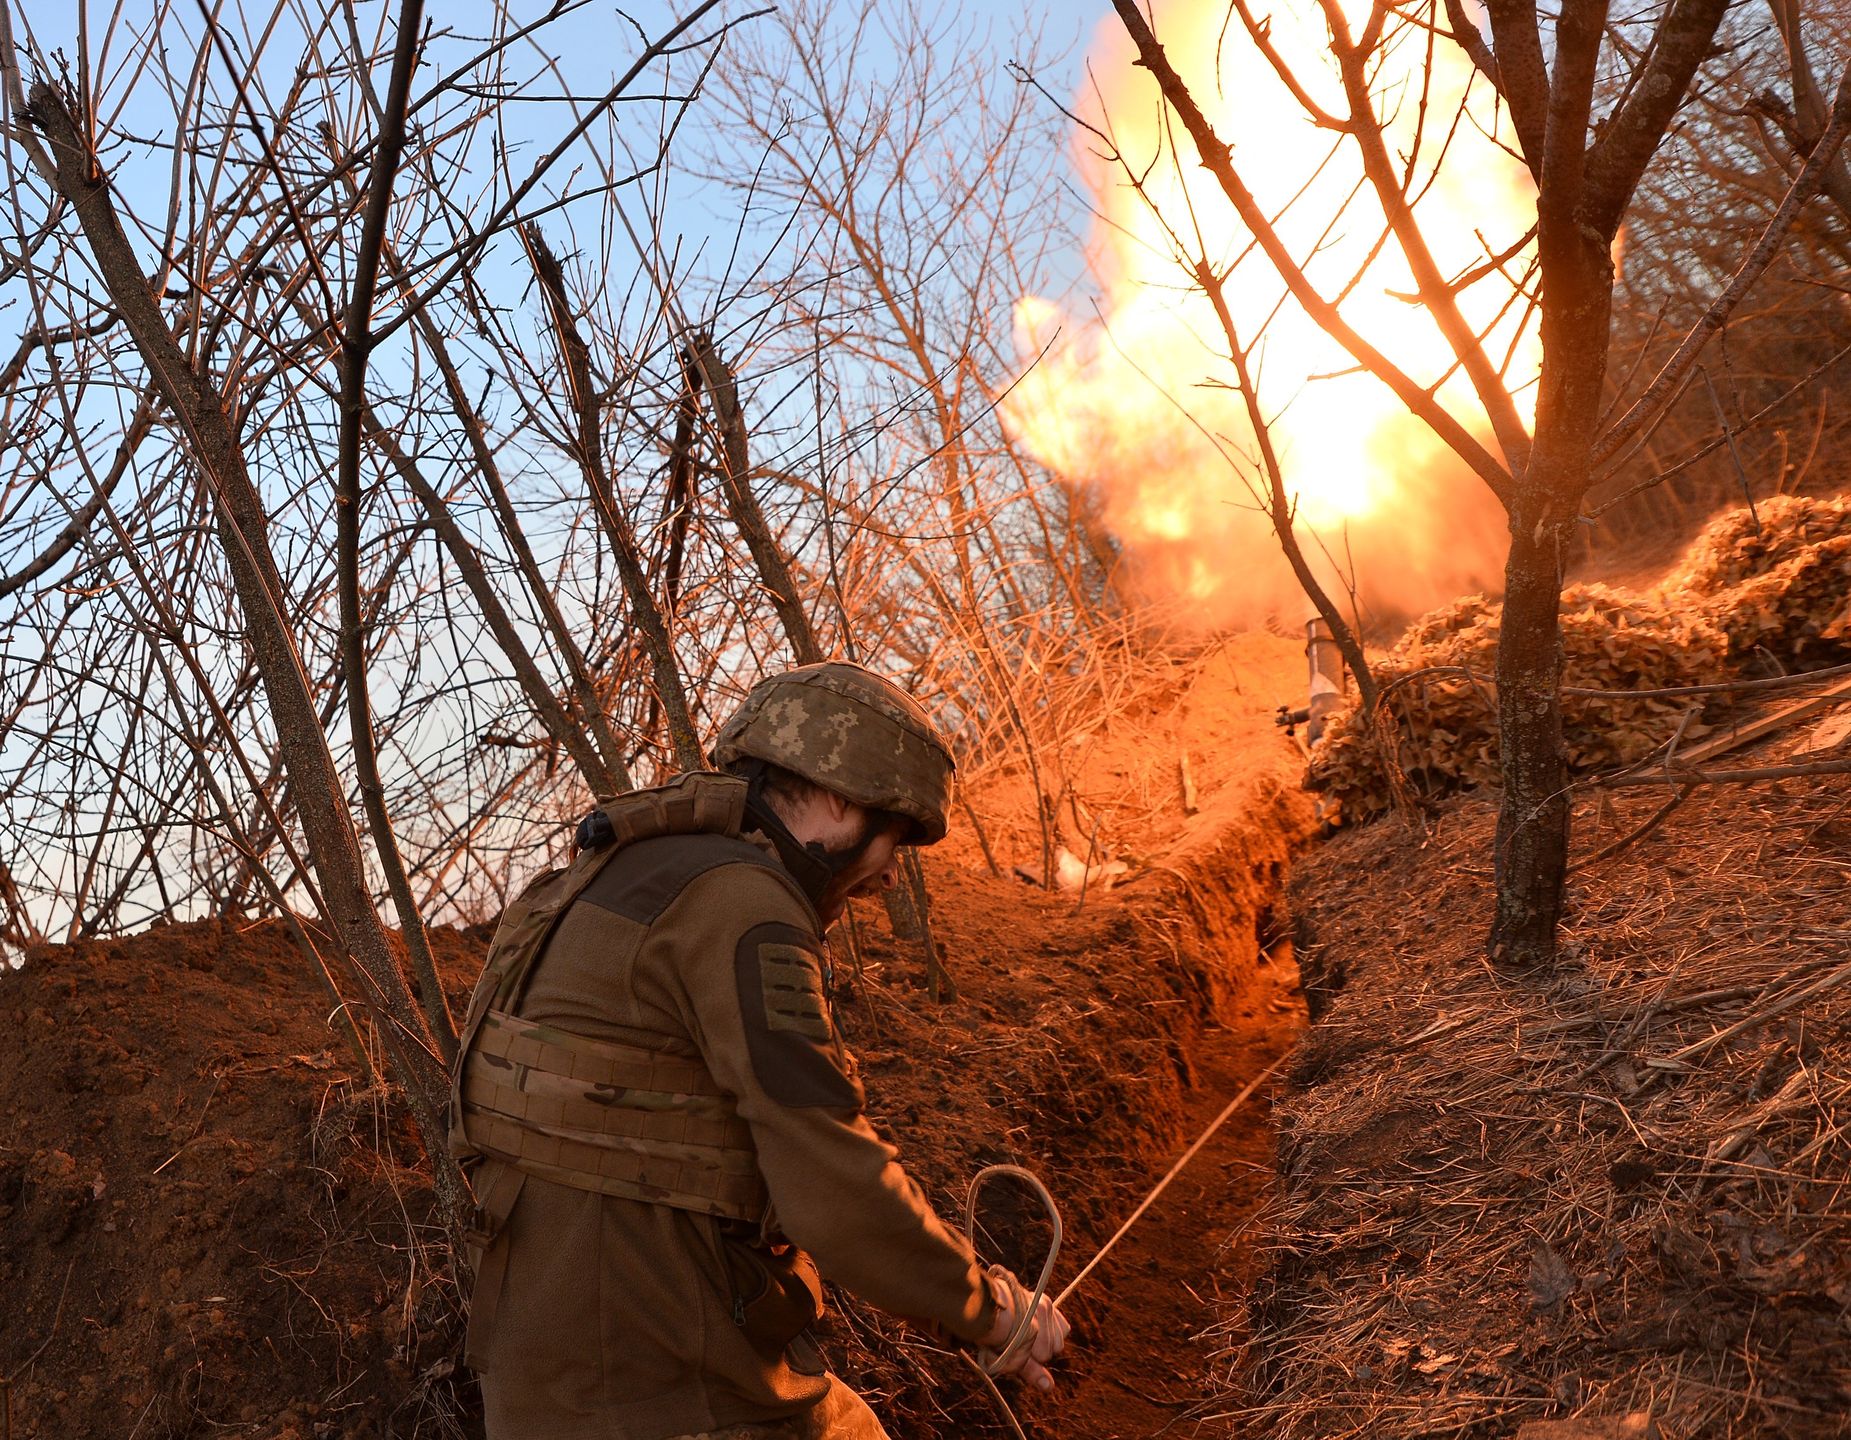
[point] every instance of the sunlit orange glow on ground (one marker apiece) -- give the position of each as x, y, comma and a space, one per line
1129, 394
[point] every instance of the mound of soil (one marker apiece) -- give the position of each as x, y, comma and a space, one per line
215, 1219
1605, 1202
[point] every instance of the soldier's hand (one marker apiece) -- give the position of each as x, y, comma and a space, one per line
1041, 1340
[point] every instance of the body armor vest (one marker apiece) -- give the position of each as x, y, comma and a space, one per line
612, 1118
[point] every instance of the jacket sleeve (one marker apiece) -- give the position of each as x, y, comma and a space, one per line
752, 971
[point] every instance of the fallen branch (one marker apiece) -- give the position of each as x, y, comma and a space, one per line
1669, 692
1766, 725
52, 1334
1680, 775
1772, 1012
1637, 833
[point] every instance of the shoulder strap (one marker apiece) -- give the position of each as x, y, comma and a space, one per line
699, 802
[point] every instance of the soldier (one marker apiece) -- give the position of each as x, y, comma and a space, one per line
665, 1130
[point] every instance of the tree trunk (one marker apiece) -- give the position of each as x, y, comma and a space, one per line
314, 782
735, 475
1531, 859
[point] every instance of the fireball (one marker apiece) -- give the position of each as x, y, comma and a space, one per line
1133, 400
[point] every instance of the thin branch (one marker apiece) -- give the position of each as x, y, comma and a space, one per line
1684, 775
1218, 159
587, 447
356, 349
1672, 375
735, 477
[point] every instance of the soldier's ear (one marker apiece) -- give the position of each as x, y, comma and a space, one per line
839, 805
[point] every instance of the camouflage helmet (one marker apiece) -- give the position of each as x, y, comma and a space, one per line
847, 729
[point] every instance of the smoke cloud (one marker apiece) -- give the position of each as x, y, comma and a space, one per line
1129, 399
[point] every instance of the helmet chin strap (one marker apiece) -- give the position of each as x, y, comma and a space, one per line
841, 860
812, 865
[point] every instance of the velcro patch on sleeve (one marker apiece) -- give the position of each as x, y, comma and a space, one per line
792, 978
796, 1055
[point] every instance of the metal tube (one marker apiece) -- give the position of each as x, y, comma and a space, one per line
1328, 678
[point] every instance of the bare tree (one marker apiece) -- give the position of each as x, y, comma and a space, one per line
919, 214
303, 615
1760, 416
1548, 73
240, 314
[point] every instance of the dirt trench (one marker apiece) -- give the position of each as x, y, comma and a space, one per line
1158, 1347
1097, 1054
213, 1222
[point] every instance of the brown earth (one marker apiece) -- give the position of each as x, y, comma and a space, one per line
215, 1222
1607, 1201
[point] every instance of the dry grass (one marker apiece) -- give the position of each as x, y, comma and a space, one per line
1621, 1192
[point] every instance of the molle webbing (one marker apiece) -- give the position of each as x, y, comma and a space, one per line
611, 1118
696, 803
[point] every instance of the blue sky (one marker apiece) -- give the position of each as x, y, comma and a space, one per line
587, 46
579, 57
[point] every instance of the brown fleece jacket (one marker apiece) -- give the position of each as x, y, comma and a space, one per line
623, 1320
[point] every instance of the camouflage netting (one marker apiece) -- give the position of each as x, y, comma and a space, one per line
1745, 594
1730, 550
1446, 725
1782, 591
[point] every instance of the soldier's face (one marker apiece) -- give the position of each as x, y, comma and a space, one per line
839, 826
876, 869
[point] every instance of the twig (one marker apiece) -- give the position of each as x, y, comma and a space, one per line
1651, 823
192, 1134
1086, 870
735, 484
983, 841
1760, 1017
52, 1334
1690, 776
1735, 454
1669, 692
939, 983
861, 976
585, 445
1671, 377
